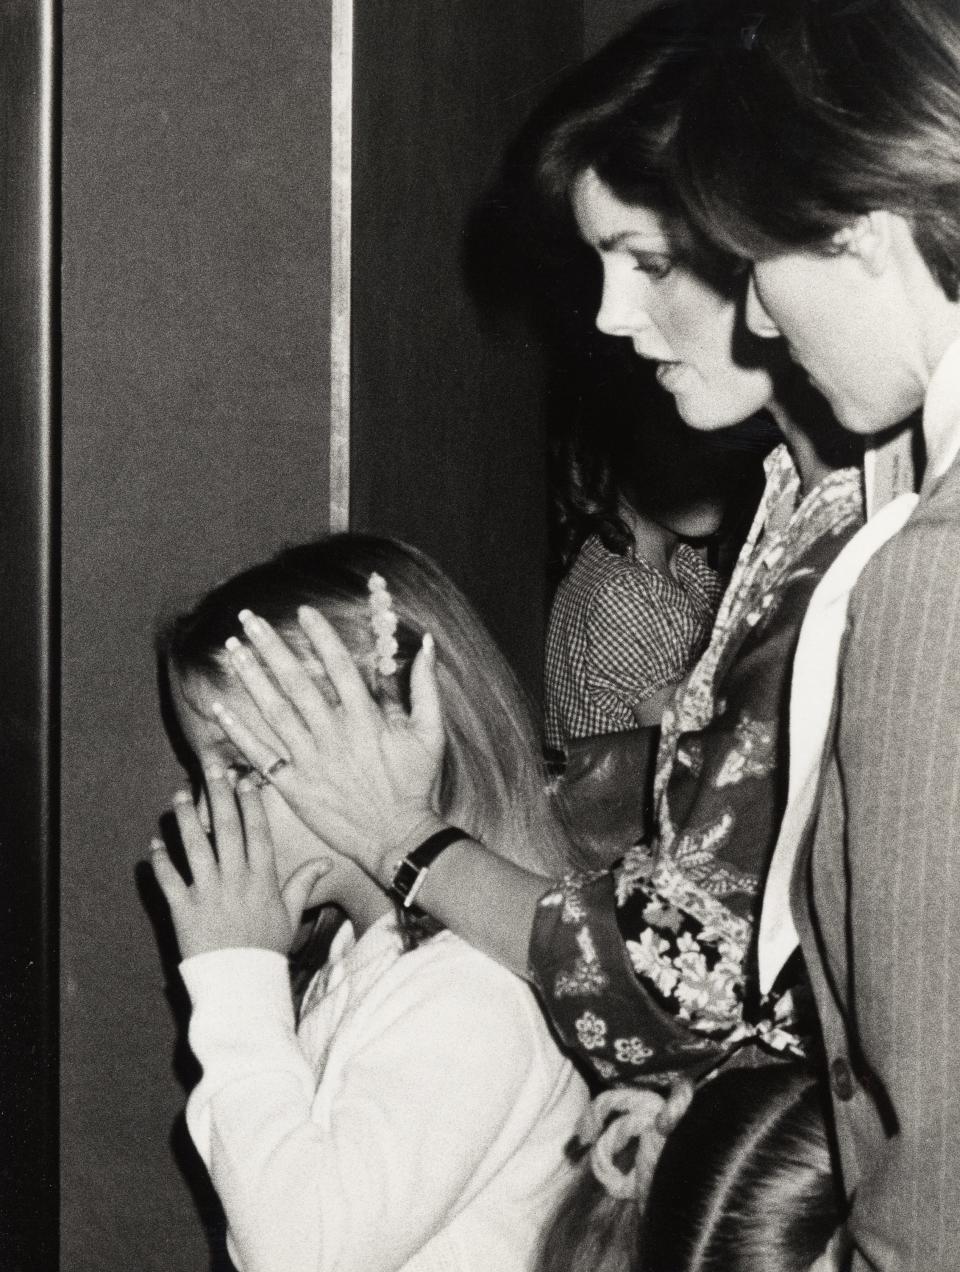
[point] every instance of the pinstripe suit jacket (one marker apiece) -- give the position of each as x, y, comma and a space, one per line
876, 896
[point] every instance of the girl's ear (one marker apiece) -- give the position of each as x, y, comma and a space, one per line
869, 238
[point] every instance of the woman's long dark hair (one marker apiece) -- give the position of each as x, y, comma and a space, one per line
617, 116
745, 1183
647, 458
618, 438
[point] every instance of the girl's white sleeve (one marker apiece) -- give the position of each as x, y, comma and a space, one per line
443, 1080
256, 1081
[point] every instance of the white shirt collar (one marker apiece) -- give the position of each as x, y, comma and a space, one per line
815, 670
381, 935
349, 955
941, 414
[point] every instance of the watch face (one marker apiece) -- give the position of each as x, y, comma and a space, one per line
406, 876
410, 873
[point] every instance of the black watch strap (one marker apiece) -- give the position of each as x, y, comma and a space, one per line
409, 875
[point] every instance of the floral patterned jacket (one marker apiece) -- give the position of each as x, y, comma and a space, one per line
645, 970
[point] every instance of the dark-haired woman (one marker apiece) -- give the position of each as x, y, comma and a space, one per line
844, 188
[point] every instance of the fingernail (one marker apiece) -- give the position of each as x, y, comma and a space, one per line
157, 845
247, 784
183, 797
429, 647
249, 620
238, 651
214, 772
220, 711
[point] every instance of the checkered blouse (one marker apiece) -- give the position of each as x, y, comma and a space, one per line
619, 631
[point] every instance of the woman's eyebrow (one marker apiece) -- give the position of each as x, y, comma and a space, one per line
610, 244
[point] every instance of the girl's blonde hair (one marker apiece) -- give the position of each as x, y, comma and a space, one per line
493, 782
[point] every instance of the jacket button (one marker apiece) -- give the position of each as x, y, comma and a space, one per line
841, 1079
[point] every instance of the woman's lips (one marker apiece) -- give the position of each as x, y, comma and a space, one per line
670, 375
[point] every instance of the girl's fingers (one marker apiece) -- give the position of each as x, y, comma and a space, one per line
256, 828
227, 830
166, 874
343, 672
280, 710
260, 754
196, 845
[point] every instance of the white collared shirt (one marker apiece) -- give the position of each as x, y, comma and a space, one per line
941, 415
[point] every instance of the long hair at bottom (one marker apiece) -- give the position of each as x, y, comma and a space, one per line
745, 1183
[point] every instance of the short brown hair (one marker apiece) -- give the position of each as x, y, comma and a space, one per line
812, 112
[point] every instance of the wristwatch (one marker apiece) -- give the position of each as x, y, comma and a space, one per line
413, 869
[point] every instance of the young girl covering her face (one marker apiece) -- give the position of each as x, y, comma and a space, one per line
414, 1116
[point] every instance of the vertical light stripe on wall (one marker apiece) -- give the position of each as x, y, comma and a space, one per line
341, 155
29, 578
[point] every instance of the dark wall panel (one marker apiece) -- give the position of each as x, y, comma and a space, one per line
603, 19
447, 427
195, 391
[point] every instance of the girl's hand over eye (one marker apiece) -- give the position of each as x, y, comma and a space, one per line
235, 899
362, 779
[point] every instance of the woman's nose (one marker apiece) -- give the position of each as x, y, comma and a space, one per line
622, 309
758, 319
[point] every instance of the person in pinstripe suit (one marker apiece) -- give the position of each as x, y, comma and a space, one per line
844, 189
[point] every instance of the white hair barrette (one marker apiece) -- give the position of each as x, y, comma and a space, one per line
384, 623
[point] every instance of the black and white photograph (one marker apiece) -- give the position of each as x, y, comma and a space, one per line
480, 660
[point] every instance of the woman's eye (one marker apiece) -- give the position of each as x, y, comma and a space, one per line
653, 264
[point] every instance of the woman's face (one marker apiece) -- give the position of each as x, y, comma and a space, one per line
846, 321
670, 315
